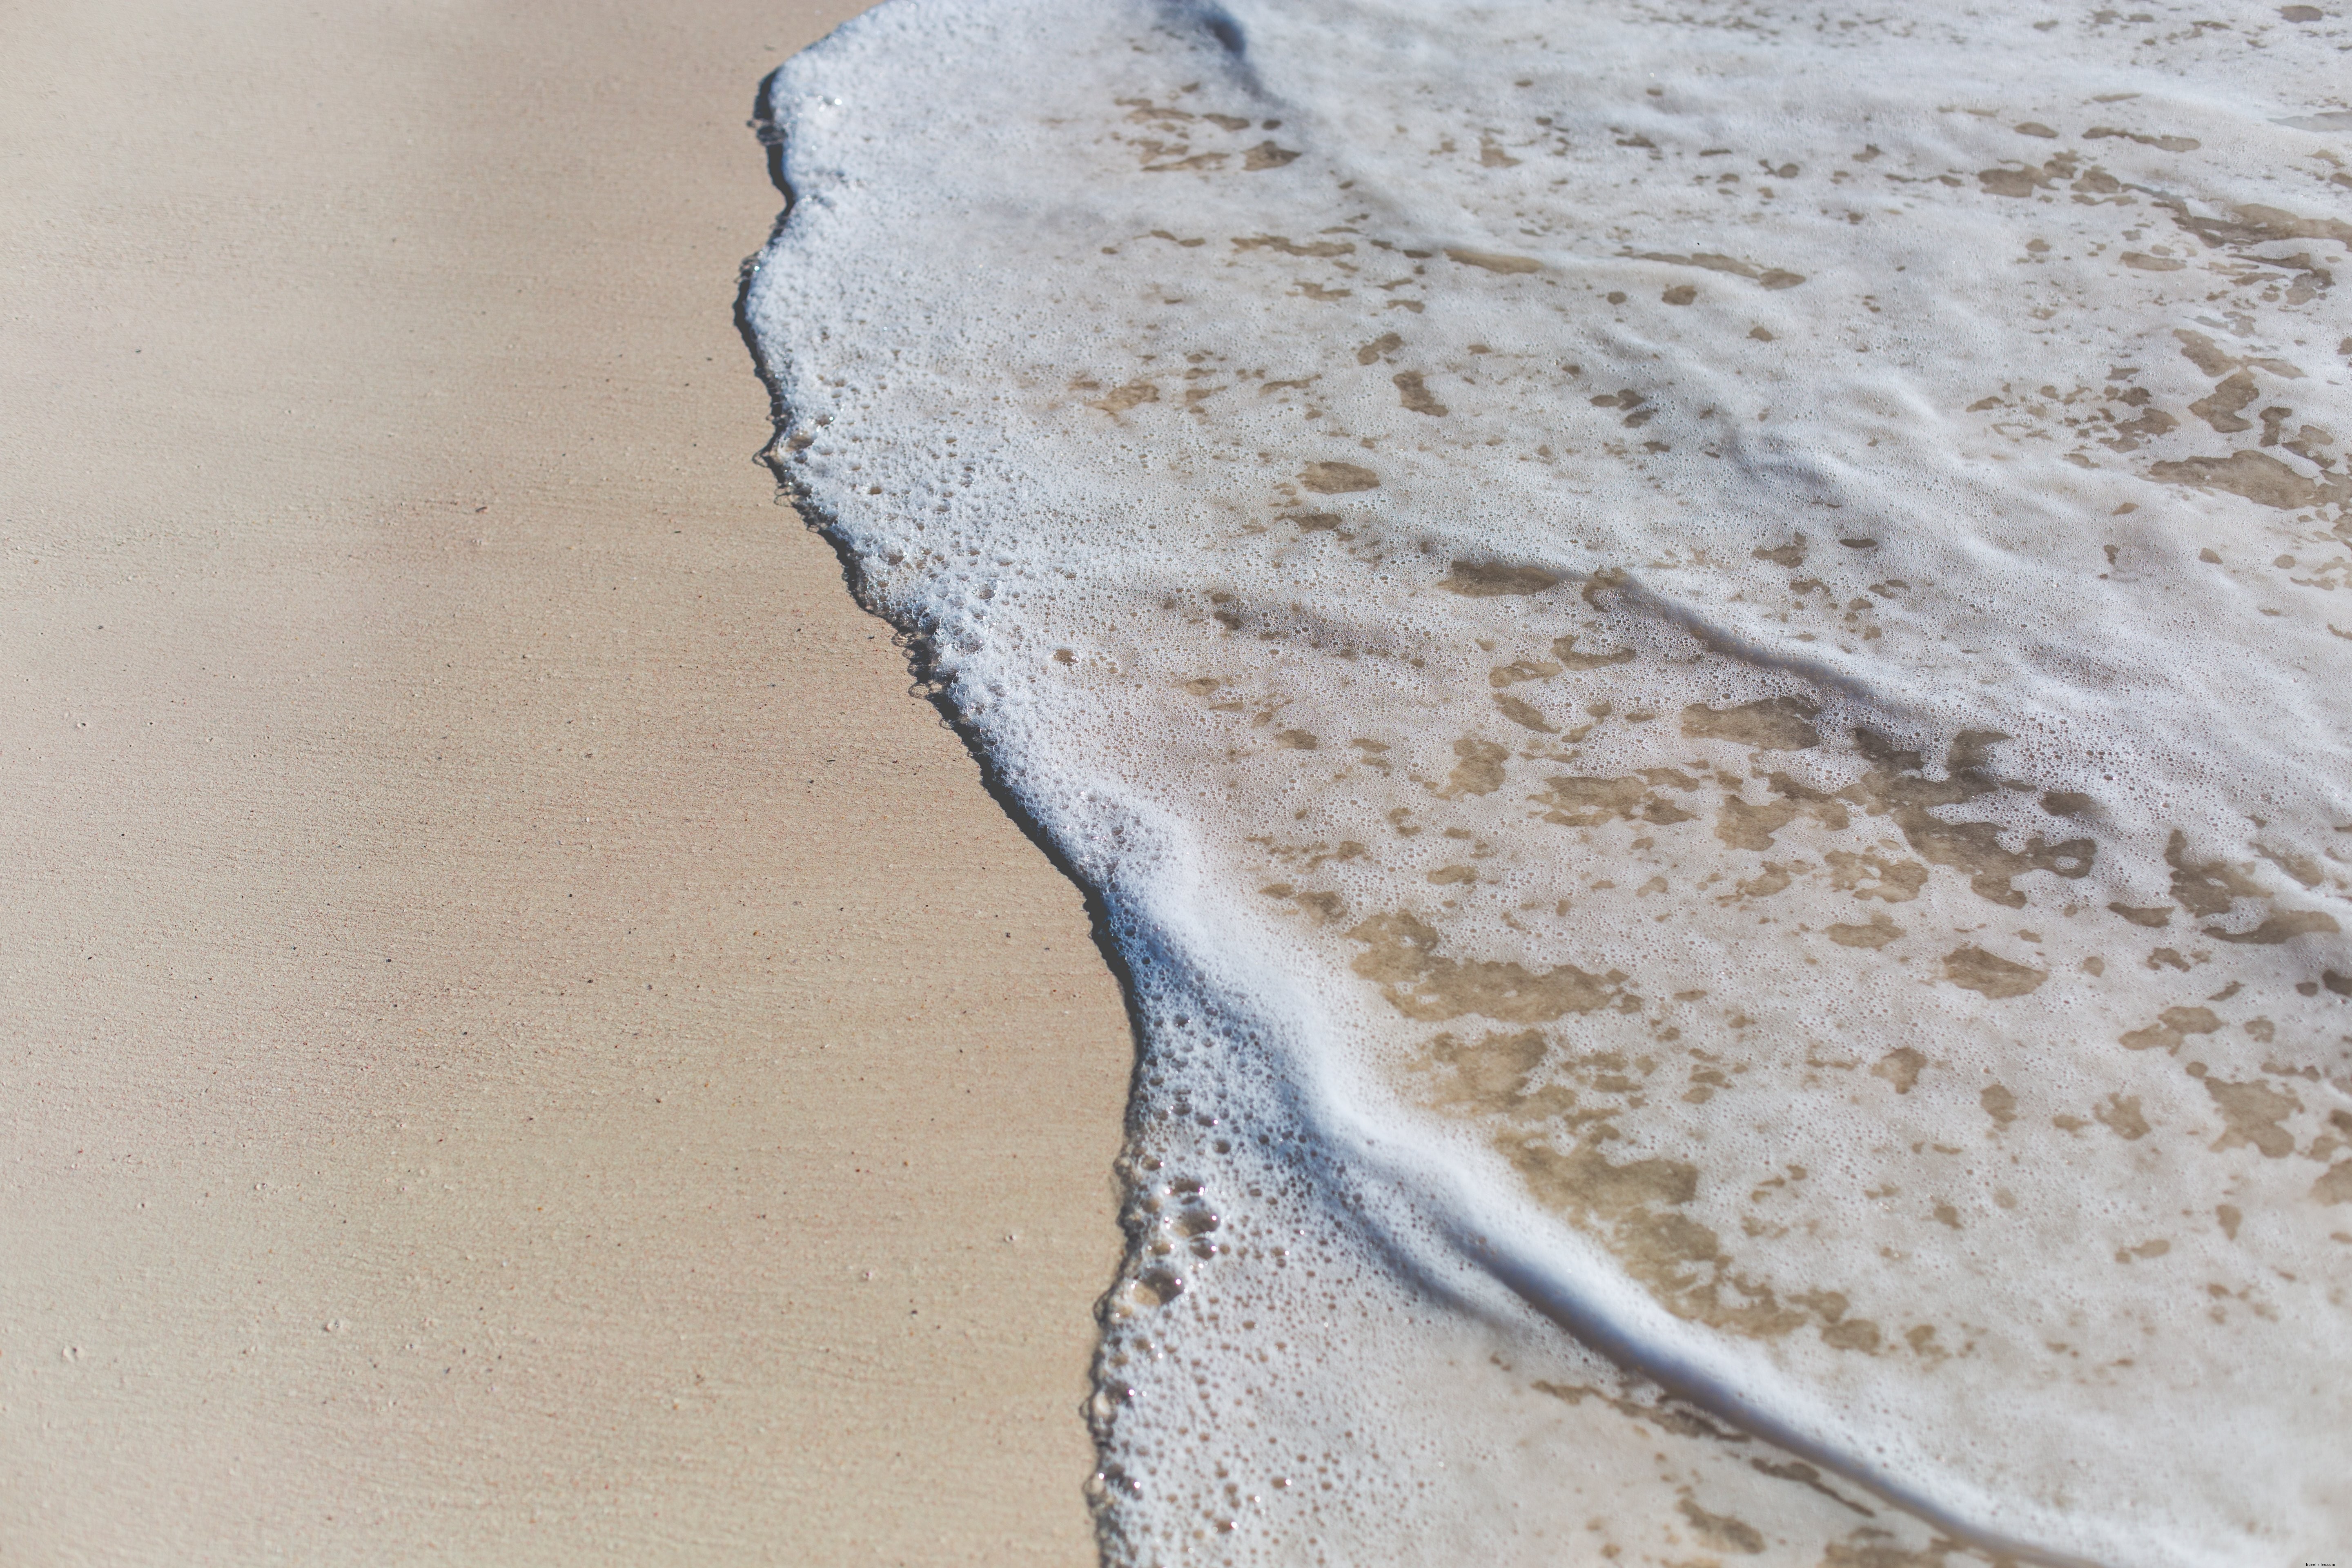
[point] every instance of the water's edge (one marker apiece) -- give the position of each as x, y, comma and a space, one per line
1151, 1103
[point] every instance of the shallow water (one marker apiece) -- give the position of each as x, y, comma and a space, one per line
1693, 651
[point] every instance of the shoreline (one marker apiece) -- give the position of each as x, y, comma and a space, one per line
521, 1019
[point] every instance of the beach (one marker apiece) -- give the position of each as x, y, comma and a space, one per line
1634, 712
526, 1040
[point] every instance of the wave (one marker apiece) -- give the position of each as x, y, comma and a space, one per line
1689, 649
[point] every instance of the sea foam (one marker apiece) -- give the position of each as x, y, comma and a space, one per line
1698, 655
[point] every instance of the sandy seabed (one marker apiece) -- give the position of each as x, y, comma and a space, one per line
522, 1041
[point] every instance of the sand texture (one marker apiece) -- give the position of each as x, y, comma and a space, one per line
522, 1041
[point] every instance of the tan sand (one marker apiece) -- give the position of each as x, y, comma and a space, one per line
520, 1041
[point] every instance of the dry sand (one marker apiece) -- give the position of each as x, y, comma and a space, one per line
520, 1041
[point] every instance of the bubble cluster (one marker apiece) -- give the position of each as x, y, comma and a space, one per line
1693, 651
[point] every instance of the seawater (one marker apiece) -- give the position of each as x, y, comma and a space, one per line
1700, 654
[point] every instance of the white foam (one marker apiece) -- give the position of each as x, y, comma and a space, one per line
1693, 653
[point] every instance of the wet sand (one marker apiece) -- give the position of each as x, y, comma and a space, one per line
522, 1041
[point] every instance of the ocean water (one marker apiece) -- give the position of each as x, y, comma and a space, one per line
1701, 655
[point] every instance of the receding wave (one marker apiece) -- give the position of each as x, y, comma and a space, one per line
1701, 657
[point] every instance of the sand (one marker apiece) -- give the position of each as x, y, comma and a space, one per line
522, 1041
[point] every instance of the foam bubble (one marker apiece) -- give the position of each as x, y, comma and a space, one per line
1694, 655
